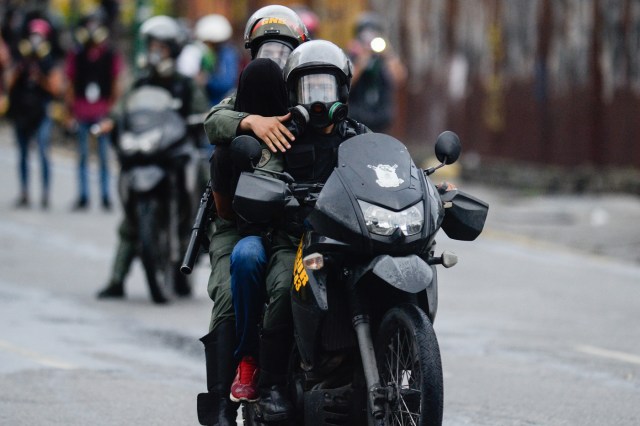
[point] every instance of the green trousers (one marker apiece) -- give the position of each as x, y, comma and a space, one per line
224, 235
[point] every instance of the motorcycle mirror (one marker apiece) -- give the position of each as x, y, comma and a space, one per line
448, 147
245, 152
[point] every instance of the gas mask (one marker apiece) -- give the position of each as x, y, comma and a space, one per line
92, 34
161, 64
319, 94
36, 45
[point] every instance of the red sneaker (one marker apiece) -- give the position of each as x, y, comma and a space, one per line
245, 385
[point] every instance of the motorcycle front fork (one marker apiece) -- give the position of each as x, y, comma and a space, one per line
378, 396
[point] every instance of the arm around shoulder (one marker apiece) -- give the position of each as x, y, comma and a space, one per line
221, 124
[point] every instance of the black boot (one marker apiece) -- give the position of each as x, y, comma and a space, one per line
215, 407
113, 290
275, 348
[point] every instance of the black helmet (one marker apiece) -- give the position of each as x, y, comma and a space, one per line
274, 23
165, 29
318, 76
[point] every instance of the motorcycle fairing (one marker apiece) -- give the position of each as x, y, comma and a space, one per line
410, 273
398, 186
148, 108
379, 170
144, 178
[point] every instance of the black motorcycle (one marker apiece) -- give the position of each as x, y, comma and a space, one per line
364, 295
155, 154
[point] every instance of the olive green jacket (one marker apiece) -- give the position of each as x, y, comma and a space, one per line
221, 126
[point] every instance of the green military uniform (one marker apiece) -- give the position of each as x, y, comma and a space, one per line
221, 126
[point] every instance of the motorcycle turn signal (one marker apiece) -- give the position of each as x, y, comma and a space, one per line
447, 259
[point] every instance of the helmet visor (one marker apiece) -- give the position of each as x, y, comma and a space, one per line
277, 52
317, 88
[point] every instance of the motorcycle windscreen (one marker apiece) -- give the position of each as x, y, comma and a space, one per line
464, 219
259, 199
379, 170
151, 98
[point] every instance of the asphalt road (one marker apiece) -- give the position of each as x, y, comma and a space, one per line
538, 323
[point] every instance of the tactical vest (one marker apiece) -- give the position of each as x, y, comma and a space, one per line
313, 156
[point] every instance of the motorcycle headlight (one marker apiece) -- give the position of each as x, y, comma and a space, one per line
143, 142
381, 221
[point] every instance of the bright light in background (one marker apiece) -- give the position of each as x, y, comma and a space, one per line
378, 44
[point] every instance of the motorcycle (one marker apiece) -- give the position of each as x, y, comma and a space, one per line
365, 288
155, 154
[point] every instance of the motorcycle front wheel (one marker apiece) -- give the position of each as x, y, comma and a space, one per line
408, 358
154, 249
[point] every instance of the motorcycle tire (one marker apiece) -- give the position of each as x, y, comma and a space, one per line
408, 356
250, 417
154, 249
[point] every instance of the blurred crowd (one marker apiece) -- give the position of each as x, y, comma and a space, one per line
71, 76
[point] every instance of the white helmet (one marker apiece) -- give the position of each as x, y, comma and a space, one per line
213, 28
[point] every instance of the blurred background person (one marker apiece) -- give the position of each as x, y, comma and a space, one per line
215, 32
377, 71
309, 18
5, 63
34, 80
195, 58
163, 41
92, 70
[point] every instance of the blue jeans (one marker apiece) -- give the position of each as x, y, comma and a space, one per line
83, 160
248, 266
43, 137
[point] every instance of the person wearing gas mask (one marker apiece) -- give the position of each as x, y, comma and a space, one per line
33, 81
271, 32
317, 75
162, 39
92, 70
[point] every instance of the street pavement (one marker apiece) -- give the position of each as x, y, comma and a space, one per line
518, 307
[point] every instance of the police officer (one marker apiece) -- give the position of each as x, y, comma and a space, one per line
318, 75
162, 37
271, 32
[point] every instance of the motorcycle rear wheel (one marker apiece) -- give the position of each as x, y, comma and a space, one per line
408, 357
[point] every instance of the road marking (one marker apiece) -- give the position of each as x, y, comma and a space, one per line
34, 356
605, 353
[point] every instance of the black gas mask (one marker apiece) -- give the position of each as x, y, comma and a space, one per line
92, 34
319, 95
35, 46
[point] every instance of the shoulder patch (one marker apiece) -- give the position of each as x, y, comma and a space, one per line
264, 158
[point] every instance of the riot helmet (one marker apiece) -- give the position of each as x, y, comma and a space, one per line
273, 32
163, 40
318, 76
37, 43
213, 28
